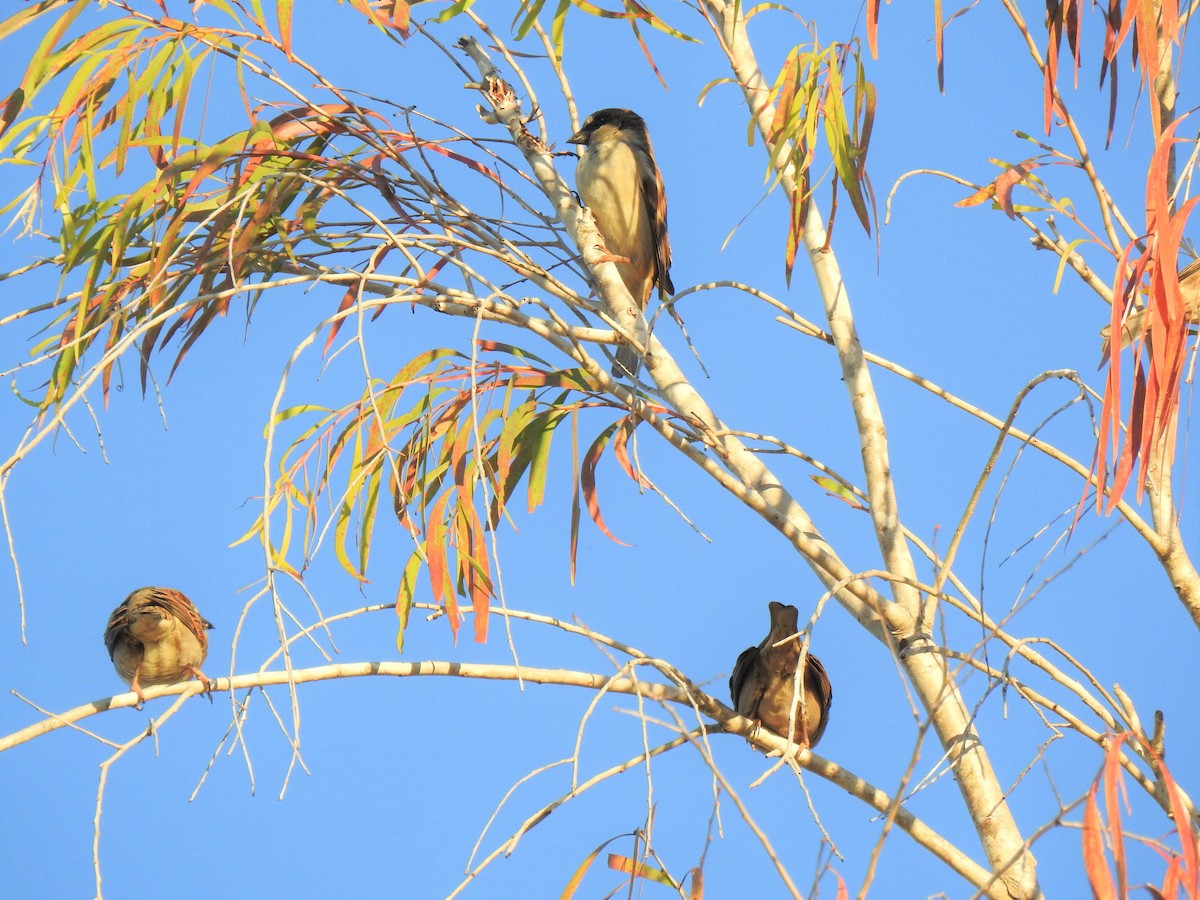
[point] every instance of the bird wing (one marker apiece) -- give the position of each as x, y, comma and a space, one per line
654, 196
741, 672
185, 611
117, 623
817, 683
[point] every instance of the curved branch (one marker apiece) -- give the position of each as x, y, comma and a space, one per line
689, 696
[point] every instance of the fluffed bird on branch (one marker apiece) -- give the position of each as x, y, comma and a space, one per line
157, 636
764, 685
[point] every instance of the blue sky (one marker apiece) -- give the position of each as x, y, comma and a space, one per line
404, 773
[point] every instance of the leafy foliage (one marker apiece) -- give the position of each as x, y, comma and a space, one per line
810, 93
449, 440
166, 220
1182, 866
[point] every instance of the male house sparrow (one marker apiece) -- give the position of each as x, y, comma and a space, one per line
763, 684
620, 183
157, 636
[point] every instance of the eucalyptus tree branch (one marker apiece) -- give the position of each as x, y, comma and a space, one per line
509, 845
1130, 514
771, 499
982, 792
687, 695
1060, 245
730, 29
1041, 239
1101, 739
1169, 545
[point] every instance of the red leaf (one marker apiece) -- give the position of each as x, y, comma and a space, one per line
352, 294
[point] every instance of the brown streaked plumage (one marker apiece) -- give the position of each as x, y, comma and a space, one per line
157, 636
1135, 323
763, 684
620, 182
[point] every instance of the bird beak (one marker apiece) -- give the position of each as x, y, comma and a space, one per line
577, 138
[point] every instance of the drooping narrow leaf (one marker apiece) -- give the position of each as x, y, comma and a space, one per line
587, 477
1112, 801
405, 593
541, 432
637, 869
574, 537
1094, 863
436, 546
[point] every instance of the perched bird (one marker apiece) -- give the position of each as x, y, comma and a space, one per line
620, 183
1135, 322
764, 685
157, 636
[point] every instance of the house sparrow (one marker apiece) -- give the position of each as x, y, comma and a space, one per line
763, 684
620, 183
157, 636
1135, 322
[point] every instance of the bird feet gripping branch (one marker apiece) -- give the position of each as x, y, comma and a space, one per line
157, 636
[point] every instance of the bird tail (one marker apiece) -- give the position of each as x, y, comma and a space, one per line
626, 364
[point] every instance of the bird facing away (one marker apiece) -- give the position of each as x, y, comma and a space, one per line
764, 685
620, 183
157, 636
1135, 323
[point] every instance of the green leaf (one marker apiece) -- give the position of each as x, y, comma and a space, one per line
539, 435
839, 490
406, 592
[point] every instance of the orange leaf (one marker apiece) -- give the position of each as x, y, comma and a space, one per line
621, 449
436, 537
637, 869
352, 294
983, 195
939, 46
873, 27
1158, 363
481, 580
1112, 791
1094, 863
799, 206
1007, 180
1190, 875
588, 478
786, 97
